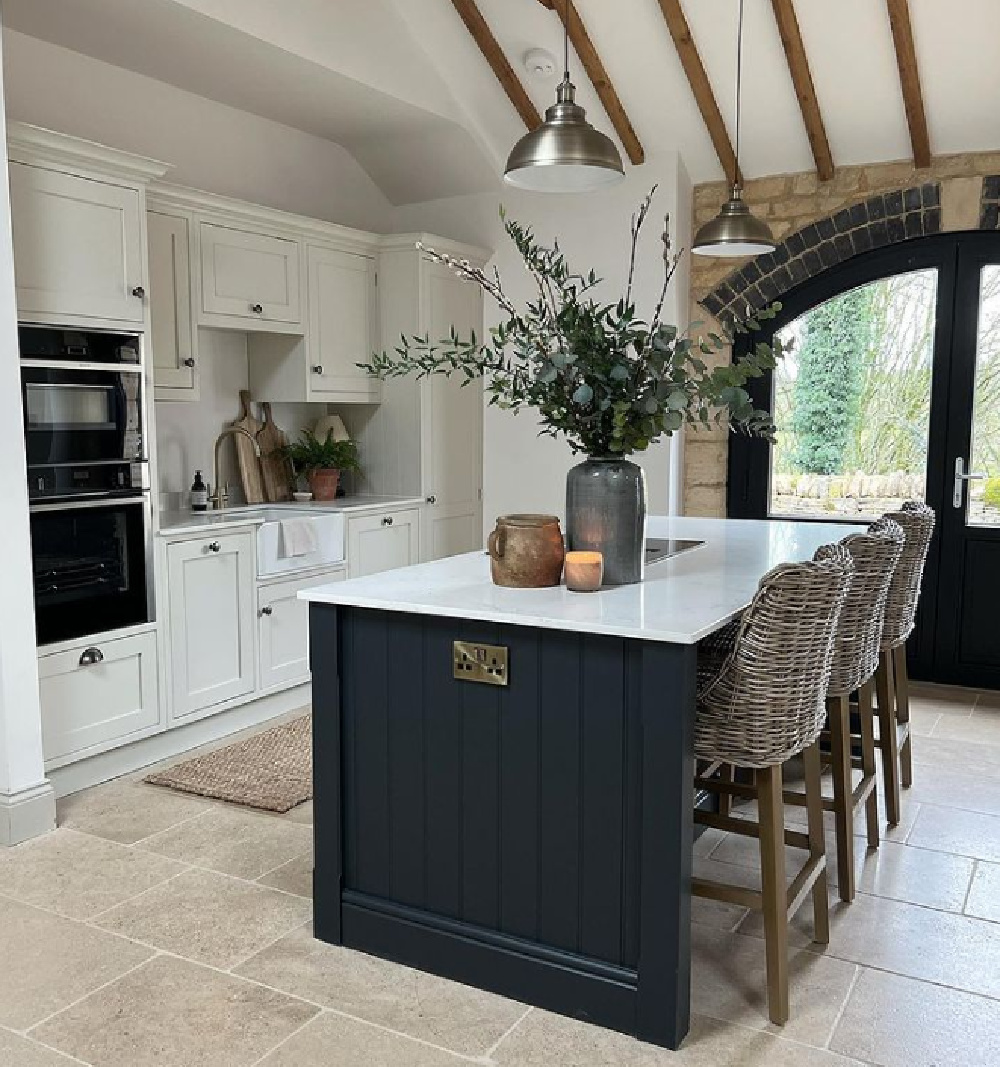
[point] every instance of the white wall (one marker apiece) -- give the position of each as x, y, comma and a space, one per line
209, 146
27, 804
522, 471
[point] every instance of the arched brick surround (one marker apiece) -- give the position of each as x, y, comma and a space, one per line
883, 219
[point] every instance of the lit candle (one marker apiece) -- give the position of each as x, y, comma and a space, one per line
584, 571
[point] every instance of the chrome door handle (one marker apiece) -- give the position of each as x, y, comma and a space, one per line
387, 521
432, 499
266, 609
90, 656
139, 291
214, 546
189, 362
961, 477
318, 368
257, 309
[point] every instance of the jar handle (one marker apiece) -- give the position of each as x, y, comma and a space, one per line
496, 543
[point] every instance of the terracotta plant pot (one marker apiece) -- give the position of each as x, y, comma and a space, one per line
323, 483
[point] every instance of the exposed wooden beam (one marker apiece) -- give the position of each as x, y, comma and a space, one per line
909, 80
490, 47
798, 67
600, 78
673, 14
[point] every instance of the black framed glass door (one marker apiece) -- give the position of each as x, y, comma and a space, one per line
893, 377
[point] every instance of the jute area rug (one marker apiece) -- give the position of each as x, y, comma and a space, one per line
271, 770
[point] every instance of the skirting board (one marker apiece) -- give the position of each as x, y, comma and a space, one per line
174, 742
27, 813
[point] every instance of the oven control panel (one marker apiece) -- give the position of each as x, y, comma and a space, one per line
68, 480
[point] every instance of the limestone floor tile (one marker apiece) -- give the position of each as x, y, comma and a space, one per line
902, 872
47, 962
79, 875
715, 913
302, 813
899, 1022
16, 1051
917, 942
984, 896
452, 1016
125, 811
708, 840
982, 727
947, 787
976, 759
233, 842
963, 833
295, 876
173, 1012
729, 981
335, 1041
546, 1040
208, 917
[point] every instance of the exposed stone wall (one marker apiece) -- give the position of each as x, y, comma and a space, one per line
815, 223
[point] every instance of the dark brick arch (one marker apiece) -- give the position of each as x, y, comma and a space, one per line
880, 220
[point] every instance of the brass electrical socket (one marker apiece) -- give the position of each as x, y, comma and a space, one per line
480, 663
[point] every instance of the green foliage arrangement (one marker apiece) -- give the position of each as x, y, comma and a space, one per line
607, 380
310, 453
827, 395
991, 494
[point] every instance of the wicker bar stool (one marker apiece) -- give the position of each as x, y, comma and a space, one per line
765, 705
855, 660
892, 678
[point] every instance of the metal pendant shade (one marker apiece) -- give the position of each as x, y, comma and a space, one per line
565, 154
735, 231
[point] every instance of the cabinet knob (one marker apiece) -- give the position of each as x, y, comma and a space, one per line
318, 369
257, 309
90, 656
139, 292
432, 499
387, 521
266, 609
214, 546
189, 362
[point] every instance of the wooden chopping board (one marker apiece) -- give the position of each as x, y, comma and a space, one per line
276, 468
246, 456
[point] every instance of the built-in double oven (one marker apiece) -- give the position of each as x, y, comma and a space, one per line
83, 405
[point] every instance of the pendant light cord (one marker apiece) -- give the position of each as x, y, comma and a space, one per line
739, 87
566, 40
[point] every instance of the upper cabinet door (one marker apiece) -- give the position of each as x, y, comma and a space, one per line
249, 276
171, 336
77, 247
342, 330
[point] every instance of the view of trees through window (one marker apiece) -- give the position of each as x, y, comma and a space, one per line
984, 498
852, 400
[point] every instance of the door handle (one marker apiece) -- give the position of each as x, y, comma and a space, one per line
214, 546
961, 477
90, 656
266, 610
387, 521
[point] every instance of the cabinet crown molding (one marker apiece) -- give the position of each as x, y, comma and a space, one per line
37, 145
407, 242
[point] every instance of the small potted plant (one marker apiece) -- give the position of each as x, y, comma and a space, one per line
322, 462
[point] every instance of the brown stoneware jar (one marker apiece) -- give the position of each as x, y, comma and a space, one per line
526, 551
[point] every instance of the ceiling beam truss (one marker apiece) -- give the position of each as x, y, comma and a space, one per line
490, 47
805, 90
909, 80
687, 51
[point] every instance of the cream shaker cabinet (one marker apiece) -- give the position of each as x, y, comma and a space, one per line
210, 584
172, 336
248, 278
382, 542
78, 247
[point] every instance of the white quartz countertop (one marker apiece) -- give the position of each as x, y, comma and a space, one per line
173, 522
681, 600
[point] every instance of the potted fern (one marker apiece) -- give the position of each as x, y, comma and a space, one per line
322, 461
609, 381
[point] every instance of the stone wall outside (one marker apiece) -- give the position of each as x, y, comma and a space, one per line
790, 202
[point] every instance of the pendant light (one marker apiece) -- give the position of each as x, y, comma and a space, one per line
565, 154
735, 231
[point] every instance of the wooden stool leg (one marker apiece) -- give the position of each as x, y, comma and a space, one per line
866, 711
839, 710
817, 843
727, 773
774, 891
901, 678
888, 739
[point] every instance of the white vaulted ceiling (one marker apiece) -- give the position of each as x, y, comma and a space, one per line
403, 87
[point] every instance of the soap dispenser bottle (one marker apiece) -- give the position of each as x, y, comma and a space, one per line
199, 493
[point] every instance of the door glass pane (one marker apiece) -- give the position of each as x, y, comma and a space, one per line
983, 497
852, 401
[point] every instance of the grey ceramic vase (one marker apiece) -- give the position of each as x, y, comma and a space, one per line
606, 512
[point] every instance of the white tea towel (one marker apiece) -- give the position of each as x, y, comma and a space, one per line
298, 538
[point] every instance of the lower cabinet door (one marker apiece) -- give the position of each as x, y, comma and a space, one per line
211, 589
382, 542
97, 697
283, 630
